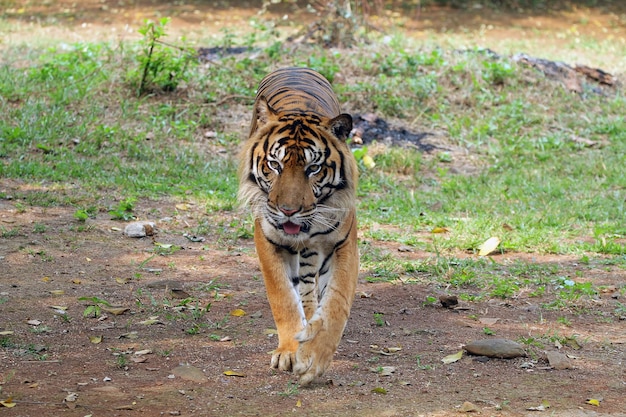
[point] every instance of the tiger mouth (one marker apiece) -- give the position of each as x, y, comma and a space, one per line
291, 228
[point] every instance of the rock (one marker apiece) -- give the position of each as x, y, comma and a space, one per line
495, 348
558, 360
448, 301
189, 373
140, 229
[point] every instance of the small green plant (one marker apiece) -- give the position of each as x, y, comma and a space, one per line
291, 390
9, 233
488, 331
162, 66
85, 213
124, 210
430, 301
378, 319
39, 228
94, 308
564, 321
121, 361
420, 365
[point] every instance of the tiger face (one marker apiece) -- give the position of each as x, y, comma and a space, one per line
299, 182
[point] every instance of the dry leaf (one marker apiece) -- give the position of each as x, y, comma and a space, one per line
121, 280
95, 339
116, 311
384, 370
150, 321
62, 308
139, 359
182, 206
379, 390
238, 313
57, 292
489, 321
593, 401
34, 322
143, 352
453, 358
6, 332
488, 246
440, 230
233, 373
8, 403
130, 335
76, 281
226, 339
298, 403
45, 279
270, 331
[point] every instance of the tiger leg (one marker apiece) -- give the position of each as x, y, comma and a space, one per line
320, 337
283, 298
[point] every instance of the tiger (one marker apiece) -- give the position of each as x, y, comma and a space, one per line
299, 178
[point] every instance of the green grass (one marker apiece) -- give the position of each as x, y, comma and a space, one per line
509, 162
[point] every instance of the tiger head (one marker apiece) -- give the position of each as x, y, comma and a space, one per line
297, 172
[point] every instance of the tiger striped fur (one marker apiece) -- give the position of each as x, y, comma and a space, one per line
299, 177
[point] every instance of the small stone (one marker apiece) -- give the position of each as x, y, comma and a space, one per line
139, 229
558, 361
495, 348
189, 373
448, 301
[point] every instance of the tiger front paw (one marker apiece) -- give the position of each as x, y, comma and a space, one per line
313, 358
283, 359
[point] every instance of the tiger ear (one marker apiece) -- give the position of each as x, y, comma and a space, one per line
263, 111
341, 126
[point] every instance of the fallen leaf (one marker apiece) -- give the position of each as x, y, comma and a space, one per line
139, 359
490, 321
440, 230
488, 246
116, 311
130, 335
182, 206
95, 339
453, 358
71, 397
270, 331
234, 373
76, 281
57, 292
543, 407
6, 332
226, 339
298, 403
384, 370
238, 313
379, 390
45, 279
150, 321
8, 403
593, 401
62, 308
34, 322
143, 352
121, 280
368, 161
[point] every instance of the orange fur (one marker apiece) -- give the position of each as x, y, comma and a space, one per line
299, 177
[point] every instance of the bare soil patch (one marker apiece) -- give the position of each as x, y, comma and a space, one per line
43, 361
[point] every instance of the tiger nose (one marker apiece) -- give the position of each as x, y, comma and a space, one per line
288, 211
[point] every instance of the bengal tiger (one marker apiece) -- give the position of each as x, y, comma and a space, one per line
299, 177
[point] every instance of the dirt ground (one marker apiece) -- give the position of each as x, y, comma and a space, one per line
157, 356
